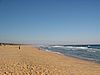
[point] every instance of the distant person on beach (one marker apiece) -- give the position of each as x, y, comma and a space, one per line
19, 47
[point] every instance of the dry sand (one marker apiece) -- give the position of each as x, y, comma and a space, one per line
32, 61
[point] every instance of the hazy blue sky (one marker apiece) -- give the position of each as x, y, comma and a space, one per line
54, 21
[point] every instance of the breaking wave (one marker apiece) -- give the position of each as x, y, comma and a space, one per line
80, 51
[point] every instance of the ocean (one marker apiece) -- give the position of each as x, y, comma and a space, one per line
87, 52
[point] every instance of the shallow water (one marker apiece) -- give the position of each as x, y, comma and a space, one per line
89, 52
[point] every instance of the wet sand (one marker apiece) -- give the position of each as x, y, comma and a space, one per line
32, 61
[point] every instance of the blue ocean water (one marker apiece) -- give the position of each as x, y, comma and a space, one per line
89, 52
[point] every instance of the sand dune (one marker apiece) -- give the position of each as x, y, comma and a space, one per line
32, 61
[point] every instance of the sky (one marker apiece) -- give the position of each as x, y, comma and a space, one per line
50, 21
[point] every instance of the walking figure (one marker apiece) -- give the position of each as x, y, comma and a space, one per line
19, 47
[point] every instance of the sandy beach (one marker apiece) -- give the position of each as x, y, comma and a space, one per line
32, 61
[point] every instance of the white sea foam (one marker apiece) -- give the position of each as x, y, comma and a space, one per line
70, 47
58, 53
53, 51
57, 46
81, 47
91, 50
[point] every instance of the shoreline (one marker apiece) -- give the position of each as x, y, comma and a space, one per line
80, 58
31, 60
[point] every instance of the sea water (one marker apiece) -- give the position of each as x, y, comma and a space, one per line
89, 52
